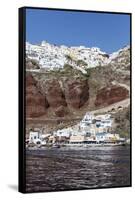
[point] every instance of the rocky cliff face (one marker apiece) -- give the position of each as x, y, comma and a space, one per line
51, 95
110, 95
67, 90
36, 103
54, 93
76, 92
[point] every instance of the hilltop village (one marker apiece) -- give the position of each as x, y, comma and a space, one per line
90, 130
50, 56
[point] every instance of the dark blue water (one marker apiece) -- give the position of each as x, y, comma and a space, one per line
77, 168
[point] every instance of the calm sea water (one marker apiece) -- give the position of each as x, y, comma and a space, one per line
77, 168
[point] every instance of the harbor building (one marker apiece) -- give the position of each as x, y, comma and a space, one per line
91, 130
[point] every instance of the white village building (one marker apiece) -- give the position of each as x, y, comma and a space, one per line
37, 138
34, 137
107, 137
66, 132
104, 121
87, 120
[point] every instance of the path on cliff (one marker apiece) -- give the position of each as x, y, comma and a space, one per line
121, 104
121, 84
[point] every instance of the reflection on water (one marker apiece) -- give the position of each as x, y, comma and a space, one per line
73, 168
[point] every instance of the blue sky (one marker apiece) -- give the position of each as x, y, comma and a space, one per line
109, 32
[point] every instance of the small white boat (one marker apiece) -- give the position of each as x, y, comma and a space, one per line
56, 146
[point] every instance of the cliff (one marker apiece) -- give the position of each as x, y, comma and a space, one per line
66, 86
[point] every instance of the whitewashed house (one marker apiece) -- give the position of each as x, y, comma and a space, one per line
87, 120
100, 137
35, 137
63, 132
112, 137
104, 121
92, 128
107, 137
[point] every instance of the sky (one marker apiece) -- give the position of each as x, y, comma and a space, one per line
109, 32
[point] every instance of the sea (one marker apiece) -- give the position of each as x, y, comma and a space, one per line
77, 168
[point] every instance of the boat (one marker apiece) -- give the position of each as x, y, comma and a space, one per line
56, 146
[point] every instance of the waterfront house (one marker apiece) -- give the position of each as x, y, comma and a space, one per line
112, 137
100, 137
34, 137
82, 139
77, 139
63, 132
107, 137
52, 139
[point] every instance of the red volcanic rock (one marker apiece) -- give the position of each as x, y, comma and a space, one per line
76, 92
60, 111
54, 94
110, 95
36, 103
30, 80
34, 111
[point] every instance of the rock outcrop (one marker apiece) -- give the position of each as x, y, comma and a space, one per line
61, 111
110, 95
36, 103
54, 94
72, 93
76, 92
